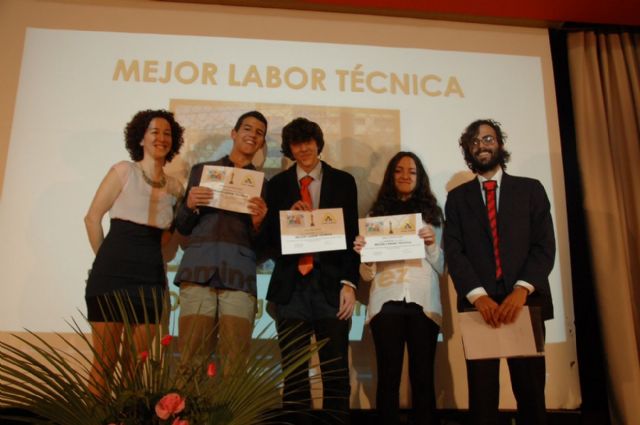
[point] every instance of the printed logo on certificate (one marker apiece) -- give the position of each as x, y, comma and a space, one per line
312, 231
391, 237
232, 187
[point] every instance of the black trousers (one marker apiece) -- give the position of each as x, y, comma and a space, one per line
309, 313
528, 375
399, 324
527, 382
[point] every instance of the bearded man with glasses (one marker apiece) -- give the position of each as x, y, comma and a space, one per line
500, 248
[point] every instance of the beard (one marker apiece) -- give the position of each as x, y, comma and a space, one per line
497, 159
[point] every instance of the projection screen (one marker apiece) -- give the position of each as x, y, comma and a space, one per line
375, 85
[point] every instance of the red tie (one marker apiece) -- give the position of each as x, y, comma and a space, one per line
305, 262
490, 189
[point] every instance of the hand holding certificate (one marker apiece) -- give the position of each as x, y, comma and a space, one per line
392, 237
232, 187
523, 337
312, 231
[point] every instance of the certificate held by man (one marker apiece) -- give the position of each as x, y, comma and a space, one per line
232, 186
312, 231
391, 237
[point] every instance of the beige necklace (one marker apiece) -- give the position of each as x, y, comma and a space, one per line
157, 184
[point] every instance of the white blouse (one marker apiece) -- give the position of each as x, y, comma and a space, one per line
139, 202
415, 281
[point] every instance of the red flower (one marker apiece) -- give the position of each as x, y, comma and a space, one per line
144, 355
166, 340
211, 370
170, 404
179, 421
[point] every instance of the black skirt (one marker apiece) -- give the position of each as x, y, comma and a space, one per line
128, 275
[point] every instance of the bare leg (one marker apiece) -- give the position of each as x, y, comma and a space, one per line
141, 337
235, 339
198, 307
107, 339
197, 337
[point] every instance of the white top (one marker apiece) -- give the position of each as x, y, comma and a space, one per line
415, 281
139, 202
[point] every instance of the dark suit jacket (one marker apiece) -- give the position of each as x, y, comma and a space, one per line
338, 190
527, 242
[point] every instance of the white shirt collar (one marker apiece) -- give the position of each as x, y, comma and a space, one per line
497, 177
316, 173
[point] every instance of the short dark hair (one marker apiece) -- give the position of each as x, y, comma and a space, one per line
255, 114
470, 133
136, 128
300, 130
422, 199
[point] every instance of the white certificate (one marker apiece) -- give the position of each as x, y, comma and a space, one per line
312, 231
391, 237
232, 187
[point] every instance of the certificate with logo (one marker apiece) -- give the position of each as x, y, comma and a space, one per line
391, 237
232, 187
312, 231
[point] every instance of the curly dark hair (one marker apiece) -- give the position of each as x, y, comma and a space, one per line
135, 129
300, 130
470, 133
422, 199
255, 114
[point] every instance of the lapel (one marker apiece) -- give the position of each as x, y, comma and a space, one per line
292, 188
507, 201
473, 196
327, 185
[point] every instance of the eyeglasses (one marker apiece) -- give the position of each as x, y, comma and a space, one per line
487, 140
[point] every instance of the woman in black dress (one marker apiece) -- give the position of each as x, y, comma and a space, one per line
128, 275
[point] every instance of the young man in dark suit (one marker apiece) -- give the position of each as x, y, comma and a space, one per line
313, 293
500, 248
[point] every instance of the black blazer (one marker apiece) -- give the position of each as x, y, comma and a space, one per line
338, 190
527, 241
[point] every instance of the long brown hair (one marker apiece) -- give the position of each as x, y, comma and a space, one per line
422, 199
